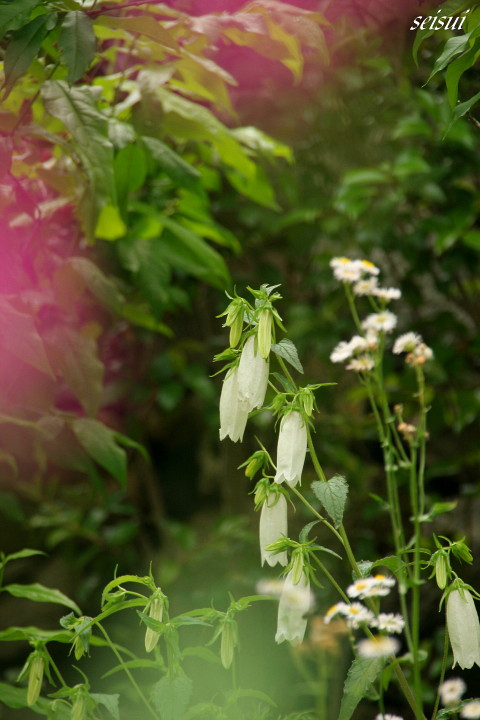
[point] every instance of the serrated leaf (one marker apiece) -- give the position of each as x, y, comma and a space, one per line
333, 496
40, 593
99, 442
362, 673
19, 334
77, 43
287, 350
108, 701
24, 46
171, 696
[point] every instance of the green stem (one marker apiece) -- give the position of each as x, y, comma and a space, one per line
415, 612
442, 674
127, 671
332, 579
57, 671
317, 514
353, 309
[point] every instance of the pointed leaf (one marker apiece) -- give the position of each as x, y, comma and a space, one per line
40, 593
24, 46
287, 350
19, 334
99, 442
362, 673
333, 496
108, 701
182, 173
77, 43
13, 14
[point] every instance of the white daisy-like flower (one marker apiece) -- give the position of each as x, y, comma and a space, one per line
471, 710
378, 585
389, 622
339, 262
364, 363
406, 343
387, 293
368, 267
359, 344
387, 716
380, 646
366, 286
339, 608
381, 322
356, 614
348, 271
341, 352
451, 691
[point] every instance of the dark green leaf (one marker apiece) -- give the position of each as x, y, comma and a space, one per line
333, 496
19, 334
13, 14
26, 552
362, 673
15, 634
287, 350
171, 696
130, 170
101, 286
77, 43
24, 46
182, 173
461, 110
456, 69
40, 593
99, 442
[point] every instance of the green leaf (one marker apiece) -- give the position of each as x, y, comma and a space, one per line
180, 172
171, 696
99, 442
14, 634
24, 46
110, 225
461, 110
287, 350
108, 701
77, 43
456, 69
13, 14
186, 251
303, 536
453, 46
75, 356
19, 334
362, 673
40, 593
101, 286
333, 496
26, 552
130, 170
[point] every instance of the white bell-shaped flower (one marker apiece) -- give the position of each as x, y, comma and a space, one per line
291, 448
233, 410
273, 526
463, 628
295, 602
253, 373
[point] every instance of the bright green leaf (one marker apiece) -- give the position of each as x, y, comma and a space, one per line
40, 593
110, 225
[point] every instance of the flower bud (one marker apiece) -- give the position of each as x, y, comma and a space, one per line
297, 566
255, 463
79, 708
441, 570
156, 613
35, 679
227, 644
265, 332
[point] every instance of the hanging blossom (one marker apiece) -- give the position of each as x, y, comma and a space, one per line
295, 601
253, 373
233, 410
380, 646
463, 628
378, 585
451, 691
291, 448
384, 321
273, 527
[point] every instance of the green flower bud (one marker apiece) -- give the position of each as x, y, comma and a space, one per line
79, 708
462, 551
262, 489
297, 566
441, 568
227, 645
265, 332
35, 679
255, 463
155, 611
234, 320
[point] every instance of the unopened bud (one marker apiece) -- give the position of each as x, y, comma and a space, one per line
234, 321
441, 570
297, 567
262, 489
255, 463
156, 613
35, 679
79, 708
265, 333
227, 645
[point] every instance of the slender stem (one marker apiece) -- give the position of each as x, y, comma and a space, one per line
127, 671
332, 580
317, 514
442, 674
315, 460
402, 681
351, 303
57, 671
415, 612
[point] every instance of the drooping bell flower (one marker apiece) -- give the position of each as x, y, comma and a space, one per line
253, 373
463, 628
291, 448
295, 602
273, 526
233, 410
